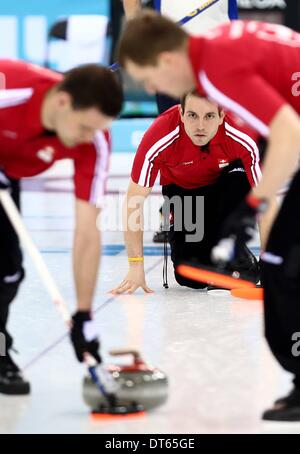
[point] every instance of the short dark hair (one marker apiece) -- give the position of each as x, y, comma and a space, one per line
146, 36
93, 86
194, 93
183, 98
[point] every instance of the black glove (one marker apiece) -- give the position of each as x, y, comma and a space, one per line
83, 336
4, 181
239, 228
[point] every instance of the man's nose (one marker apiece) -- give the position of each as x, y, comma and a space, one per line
200, 124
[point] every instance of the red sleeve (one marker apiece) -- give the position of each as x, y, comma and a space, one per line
249, 96
148, 157
245, 149
91, 169
31, 157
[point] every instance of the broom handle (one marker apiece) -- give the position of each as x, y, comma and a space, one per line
47, 279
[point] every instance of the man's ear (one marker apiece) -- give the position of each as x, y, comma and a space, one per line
222, 116
166, 58
181, 112
64, 99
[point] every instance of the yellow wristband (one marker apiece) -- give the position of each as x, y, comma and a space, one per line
135, 259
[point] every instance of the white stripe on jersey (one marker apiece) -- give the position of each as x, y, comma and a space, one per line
14, 97
232, 105
250, 145
152, 153
101, 169
156, 154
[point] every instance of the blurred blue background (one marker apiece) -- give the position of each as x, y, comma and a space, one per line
24, 25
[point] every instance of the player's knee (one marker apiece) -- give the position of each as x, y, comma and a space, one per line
188, 282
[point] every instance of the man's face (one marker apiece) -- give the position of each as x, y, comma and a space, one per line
171, 75
201, 119
75, 127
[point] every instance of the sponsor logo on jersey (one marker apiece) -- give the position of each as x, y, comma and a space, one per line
238, 169
46, 154
223, 163
187, 163
10, 134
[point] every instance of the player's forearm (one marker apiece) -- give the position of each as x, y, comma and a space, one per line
133, 226
134, 243
133, 219
86, 258
282, 157
131, 7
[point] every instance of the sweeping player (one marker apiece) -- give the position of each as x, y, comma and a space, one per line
200, 154
251, 69
46, 117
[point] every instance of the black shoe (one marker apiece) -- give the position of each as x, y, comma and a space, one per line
11, 379
247, 264
285, 409
260, 273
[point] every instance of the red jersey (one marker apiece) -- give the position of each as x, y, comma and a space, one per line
250, 68
166, 148
27, 149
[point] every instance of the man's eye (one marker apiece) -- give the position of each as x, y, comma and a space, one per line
210, 116
191, 115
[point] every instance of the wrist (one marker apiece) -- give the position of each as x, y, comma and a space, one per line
136, 265
136, 259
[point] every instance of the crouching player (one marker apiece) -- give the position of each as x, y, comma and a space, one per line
202, 156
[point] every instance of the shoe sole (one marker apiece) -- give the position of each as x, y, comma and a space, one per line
283, 418
16, 390
218, 292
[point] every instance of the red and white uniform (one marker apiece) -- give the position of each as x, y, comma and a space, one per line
249, 68
24, 141
166, 148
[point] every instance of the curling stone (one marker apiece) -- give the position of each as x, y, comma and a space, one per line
140, 387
